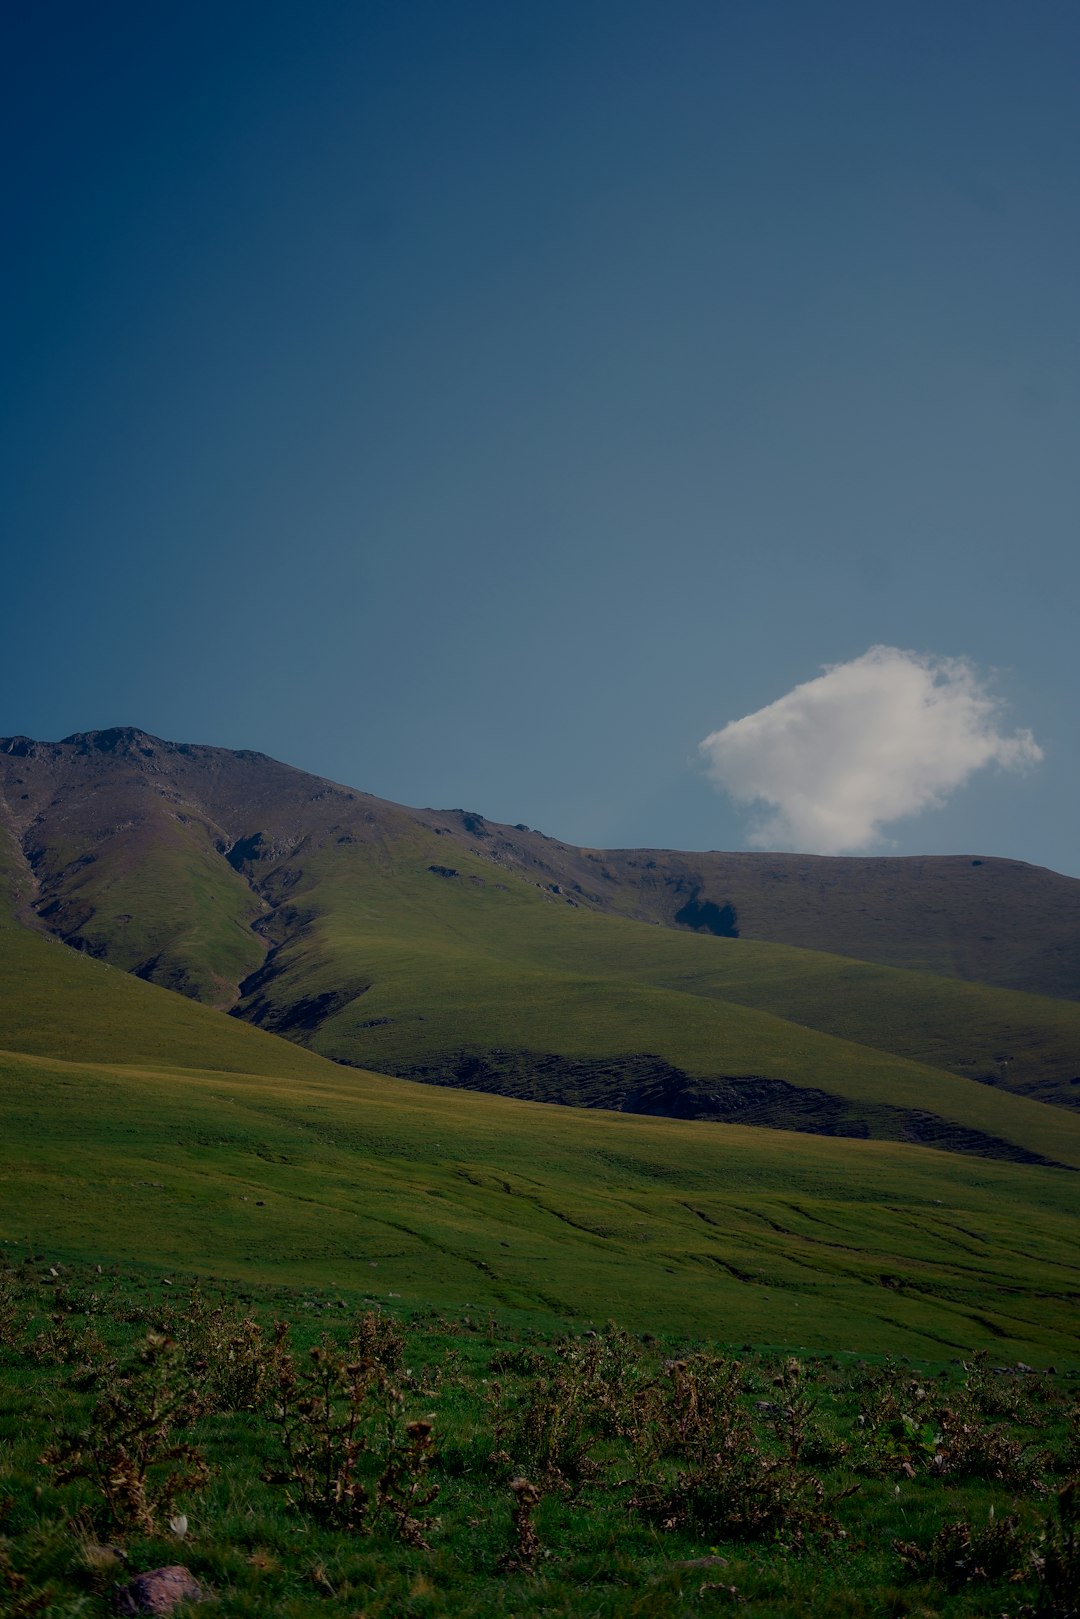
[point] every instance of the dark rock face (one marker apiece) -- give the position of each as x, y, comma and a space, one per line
244, 851
705, 916
301, 1017
159, 1591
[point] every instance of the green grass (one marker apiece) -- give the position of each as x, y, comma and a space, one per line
164, 883
622, 1439
146, 1126
489, 962
456, 964
155, 1137
459, 1200
57, 1002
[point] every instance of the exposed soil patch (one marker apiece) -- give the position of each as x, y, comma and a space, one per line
930, 1130
1051, 1090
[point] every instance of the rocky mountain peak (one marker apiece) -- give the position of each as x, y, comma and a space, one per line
125, 740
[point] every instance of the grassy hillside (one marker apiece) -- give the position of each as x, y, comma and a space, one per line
448, 970
434, 946
999, 922
179, 1137
471, 1202
124, 869
56, 1003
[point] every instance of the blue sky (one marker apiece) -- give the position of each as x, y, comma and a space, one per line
484, 403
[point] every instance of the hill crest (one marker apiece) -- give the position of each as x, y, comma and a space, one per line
442, 946
975, 917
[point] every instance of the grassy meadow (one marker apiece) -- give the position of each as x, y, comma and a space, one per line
188, 1139
350, 1345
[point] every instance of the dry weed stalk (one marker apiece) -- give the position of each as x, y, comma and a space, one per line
130, 1451
402, 1491
521, 1559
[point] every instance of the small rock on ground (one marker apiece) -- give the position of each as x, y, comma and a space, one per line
159, 1591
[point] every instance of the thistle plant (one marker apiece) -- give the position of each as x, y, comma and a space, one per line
404, 1490
132, 1449
322, 1415
522, 1556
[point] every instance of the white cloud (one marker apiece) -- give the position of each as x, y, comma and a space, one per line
886, 735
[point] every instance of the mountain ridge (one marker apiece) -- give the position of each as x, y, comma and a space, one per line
868, 907
442, 946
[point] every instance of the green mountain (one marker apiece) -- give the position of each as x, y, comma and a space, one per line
151, 1127
440, 946
117, 798
144, 1127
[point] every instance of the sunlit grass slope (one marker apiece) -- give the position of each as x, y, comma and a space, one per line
479, 962
175, 885
352, 1183
181, 1138
406, 938
155, 897
55, 1002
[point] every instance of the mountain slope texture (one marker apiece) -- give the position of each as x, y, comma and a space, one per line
440, 946
768, 1138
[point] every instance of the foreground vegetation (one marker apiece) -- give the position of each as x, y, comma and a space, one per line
306, 1454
